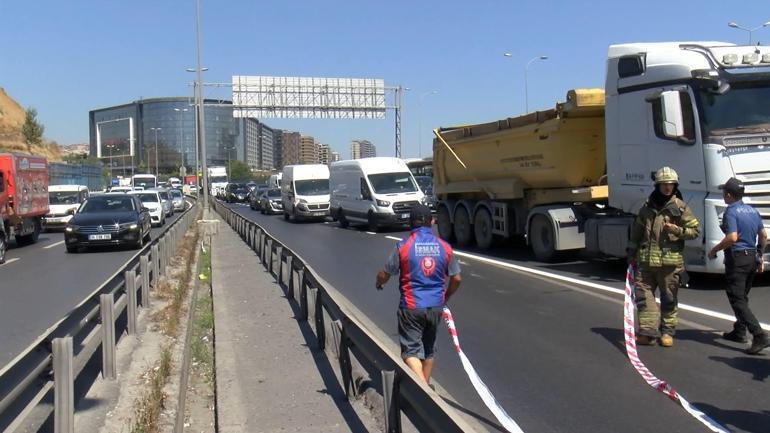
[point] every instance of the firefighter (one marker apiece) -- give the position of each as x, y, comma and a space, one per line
656, 245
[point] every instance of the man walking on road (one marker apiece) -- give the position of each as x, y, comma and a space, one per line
423, 262
742, 225
656, 244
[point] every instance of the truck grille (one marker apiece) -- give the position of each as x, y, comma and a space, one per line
757, 193
92, 230
403, 206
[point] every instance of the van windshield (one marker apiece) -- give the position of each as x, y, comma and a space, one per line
63, 197
392, 183
312, 187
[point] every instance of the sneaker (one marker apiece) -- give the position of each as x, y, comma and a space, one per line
736, 336
645, 340
760, 342
666, 340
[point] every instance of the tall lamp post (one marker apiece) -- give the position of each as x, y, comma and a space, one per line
182, 147
419, 121
526, 73
201, 133
156, 149
735, 25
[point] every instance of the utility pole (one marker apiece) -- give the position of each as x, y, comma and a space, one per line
201, 110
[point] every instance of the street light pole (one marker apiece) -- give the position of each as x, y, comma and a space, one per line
735, 25
419, 121
182, 147
526, 73
201, 115
156, 150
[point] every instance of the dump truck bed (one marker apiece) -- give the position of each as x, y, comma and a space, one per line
562, 148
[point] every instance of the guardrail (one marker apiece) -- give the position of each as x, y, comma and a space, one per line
340, 326
41, 380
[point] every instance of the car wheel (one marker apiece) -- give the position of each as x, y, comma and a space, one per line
344, 223
72, 249
148, 236
373, 227
139, 243
3, 248
285, 215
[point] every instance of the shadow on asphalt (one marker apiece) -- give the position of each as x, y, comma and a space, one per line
708, 338
614, 336
753, 422
486, 421
758, 367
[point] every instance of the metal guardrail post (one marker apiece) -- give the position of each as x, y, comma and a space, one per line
390, 402
318, 314
64, 386
154, 254
279, 253
260, 234
270, 257
290, 289
144, 268
107, 309
303, 286
346, 368
130, 278
161, 257
263, 248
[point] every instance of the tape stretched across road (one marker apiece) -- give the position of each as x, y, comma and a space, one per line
629, 325
481, 388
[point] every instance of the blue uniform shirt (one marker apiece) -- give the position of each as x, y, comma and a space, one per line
423, 262
745, 220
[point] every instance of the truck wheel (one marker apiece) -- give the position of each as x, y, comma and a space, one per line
463, 229
3, 248
344, 223
542, 239
373, 227
445, 229
482, 228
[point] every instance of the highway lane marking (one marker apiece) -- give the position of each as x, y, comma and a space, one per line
55, 244
372, 233
394, 238
9, 261
524, 269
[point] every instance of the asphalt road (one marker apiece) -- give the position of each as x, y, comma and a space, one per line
41, 283
552, 352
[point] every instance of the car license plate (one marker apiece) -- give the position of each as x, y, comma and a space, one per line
318, 214
404, 216
104, 237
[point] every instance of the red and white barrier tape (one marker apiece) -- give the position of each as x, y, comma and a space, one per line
486, 395
629, 325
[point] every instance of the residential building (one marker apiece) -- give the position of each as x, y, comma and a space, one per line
308, 153
324, 154
251, 141
278, 149
290, 148
336, 156
362, 149
266, 158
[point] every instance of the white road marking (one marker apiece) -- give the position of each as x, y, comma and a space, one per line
9, 261
371, 233
55, 244
524, 269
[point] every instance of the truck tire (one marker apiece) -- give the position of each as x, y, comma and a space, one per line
30, 238
482, 228
3, 247
445, 229
372, 224
344, 223
542, 238
463, 230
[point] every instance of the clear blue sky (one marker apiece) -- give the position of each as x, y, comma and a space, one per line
67, 57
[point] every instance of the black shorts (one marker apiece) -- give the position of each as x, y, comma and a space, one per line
417, 331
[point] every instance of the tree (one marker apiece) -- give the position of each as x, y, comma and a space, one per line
32, 130
239, 170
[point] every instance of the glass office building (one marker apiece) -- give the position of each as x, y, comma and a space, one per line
160, 132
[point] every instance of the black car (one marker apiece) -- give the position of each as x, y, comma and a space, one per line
236, 193
255, 195
109, 219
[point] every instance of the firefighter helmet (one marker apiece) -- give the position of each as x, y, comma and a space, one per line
666, 175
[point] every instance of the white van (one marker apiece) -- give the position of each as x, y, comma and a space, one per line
63, 201
378, 192
305, 191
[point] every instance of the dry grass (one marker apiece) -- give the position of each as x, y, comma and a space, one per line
149, 407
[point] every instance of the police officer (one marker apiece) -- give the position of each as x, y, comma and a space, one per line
656, 244
742, 225
428, 276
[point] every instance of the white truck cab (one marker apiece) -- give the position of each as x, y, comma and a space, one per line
64, 201
378, 192
305, 191
701, 108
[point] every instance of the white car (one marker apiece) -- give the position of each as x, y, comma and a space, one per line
152, 201
64, 201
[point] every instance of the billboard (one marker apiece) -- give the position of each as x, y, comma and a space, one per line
308, 97
115, 138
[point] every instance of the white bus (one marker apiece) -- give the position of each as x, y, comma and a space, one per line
144, 181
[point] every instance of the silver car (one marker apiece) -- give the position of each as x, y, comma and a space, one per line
165, 197
177, 200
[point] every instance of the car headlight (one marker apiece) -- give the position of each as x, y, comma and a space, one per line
383, 203
130, 226
70, 229
302, 201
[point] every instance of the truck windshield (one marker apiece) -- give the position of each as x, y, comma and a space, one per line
217, 179
392, 183
312, 187
63, 197
742, 110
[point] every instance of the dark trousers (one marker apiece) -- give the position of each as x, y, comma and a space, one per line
740, 269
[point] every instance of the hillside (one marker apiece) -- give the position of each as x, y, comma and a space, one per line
11, 140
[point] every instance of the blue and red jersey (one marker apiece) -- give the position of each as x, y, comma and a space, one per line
423, 262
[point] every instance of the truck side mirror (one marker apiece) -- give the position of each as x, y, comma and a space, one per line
671, 114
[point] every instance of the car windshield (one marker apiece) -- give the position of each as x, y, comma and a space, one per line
274, 193
148, 198
312, 187
742, 110
108, 204
63, 197
425, 182
144, 183
163, 195
176, 193
391, 183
